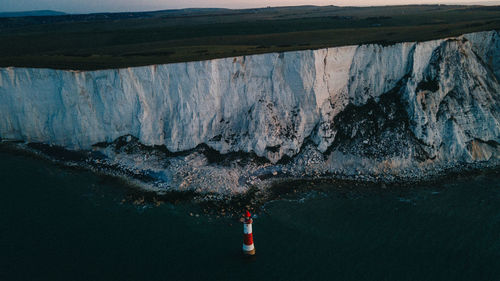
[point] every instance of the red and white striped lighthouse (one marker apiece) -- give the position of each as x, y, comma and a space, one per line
248, 247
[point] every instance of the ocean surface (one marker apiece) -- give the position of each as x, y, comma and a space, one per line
58, 223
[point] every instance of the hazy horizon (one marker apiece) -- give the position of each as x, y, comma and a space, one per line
96, 6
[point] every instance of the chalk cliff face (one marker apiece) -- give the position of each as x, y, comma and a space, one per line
372, 110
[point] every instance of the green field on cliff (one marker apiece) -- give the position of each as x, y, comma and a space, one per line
113, 40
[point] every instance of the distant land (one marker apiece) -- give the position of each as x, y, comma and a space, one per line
39, 13
117, 40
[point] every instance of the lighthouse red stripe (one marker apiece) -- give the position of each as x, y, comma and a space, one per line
248, 239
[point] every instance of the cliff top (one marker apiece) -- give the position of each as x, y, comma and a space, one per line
115, 40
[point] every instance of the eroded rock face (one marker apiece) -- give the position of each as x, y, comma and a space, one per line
366, 109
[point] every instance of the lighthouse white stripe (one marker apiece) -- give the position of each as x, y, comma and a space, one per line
247, 228
248, 247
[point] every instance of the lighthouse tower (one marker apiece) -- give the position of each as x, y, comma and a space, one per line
248, 247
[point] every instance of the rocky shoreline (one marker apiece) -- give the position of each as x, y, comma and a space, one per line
144, 189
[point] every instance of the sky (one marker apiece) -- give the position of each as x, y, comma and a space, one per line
92, 6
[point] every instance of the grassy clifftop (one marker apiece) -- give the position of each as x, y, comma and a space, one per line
100, 41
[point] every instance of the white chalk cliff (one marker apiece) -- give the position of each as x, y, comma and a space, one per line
375, 109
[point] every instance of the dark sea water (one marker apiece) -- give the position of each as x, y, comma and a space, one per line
63, 224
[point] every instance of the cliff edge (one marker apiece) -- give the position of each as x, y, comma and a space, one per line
404, 110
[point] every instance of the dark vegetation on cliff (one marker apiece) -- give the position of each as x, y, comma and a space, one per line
112, 40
